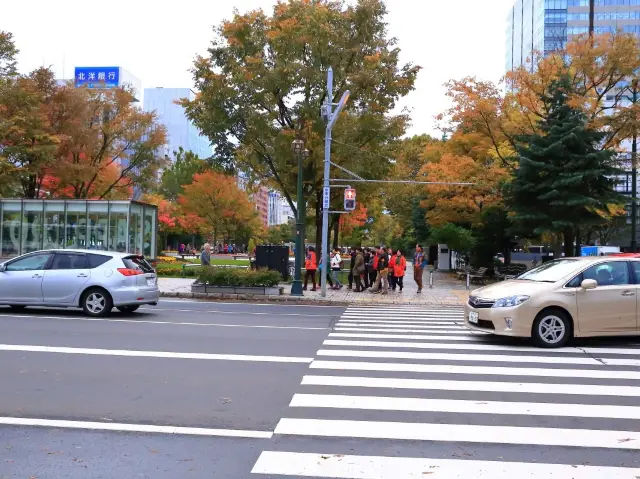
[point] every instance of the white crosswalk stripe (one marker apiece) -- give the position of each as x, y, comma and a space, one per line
419, 378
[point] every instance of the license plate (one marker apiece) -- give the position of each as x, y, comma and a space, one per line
473, 317
151, 282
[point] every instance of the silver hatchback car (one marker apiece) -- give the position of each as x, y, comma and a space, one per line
96, 281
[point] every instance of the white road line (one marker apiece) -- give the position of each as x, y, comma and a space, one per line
409, 317
384, 321
417, 327
466, 336
462, 406
463, 331
476, 370
144, 321
460, 433
588, 361
401, 310
478, 386
479, 357
241, 313
479, 347
341, 466
146, 428
153, 354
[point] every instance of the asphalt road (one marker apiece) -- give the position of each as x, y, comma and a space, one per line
224, 369
212, 390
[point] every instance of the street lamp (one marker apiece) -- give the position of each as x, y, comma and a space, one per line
301, 153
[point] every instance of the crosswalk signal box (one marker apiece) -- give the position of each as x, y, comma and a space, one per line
349, 199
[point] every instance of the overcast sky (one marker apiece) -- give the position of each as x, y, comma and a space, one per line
156, 40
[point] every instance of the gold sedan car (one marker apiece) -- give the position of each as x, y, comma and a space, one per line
560, 300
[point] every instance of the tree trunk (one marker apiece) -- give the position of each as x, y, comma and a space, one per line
557, 246
336, 231
578, 249
568, 242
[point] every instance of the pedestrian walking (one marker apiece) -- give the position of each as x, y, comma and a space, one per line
390, 277
399, 267
320, 270
359, 269
375, 257
419, 263
368, 266
382, 279
336, 263
311, 266
205, 255
352, 255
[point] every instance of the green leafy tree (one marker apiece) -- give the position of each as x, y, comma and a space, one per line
8, 52
456, 238
180, 173
263, 84
564, 181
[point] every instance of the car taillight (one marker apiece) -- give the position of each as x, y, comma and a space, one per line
129, 272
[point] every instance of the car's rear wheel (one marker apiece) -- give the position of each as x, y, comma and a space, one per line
552, 328
96, 302
128, 309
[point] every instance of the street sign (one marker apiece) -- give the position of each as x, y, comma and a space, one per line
97, 77
349, 199
326, 198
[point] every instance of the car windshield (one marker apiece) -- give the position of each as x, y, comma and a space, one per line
550, 272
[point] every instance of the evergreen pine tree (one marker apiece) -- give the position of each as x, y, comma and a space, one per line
564, 180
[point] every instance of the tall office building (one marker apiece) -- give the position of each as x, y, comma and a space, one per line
543, 26
181, 132
280, 211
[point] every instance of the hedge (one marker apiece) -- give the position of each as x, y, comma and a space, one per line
239, 277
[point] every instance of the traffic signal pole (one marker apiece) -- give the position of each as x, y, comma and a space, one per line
331, 116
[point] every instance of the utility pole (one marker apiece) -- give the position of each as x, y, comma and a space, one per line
331, 116
634, 176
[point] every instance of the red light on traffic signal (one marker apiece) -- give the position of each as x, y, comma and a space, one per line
350, 194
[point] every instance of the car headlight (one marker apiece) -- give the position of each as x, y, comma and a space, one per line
510, 301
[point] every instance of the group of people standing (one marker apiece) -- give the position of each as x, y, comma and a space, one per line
374, 269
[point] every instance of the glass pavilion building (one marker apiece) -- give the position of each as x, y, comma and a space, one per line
32, 225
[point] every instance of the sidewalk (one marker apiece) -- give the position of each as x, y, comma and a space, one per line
446, 292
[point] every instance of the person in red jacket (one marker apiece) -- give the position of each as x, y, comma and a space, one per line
399, 266
311, 266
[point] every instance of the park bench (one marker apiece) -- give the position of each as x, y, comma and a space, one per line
478, 276
510, 272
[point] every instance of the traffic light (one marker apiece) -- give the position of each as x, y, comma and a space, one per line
349, 199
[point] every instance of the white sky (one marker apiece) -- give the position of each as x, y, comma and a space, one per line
156, 40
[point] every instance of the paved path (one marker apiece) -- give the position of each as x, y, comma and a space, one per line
412, 394
446, 292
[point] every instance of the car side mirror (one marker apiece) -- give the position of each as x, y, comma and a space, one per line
3, 267
589, 284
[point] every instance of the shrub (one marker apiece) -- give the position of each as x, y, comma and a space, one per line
163, 270
239, 277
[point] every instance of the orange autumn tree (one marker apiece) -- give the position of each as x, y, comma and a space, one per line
223, 209
353, 220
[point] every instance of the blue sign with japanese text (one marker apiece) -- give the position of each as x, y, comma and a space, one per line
97, 77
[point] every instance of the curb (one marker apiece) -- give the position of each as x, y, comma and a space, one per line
287, 299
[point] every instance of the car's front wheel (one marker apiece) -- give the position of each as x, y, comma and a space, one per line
128, 309
552, 328
96, 302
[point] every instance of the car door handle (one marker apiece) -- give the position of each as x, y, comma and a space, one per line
36, 276
82, 275
628, 293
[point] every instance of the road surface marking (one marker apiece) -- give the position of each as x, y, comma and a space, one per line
416, 326
385, 321
340, 334
480, 347
585, 360
261, 313
278, 305
466, 335
146, 428
478, 386
540, 436
463, 406
476, 370
342, 466
153, 354
175, 323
